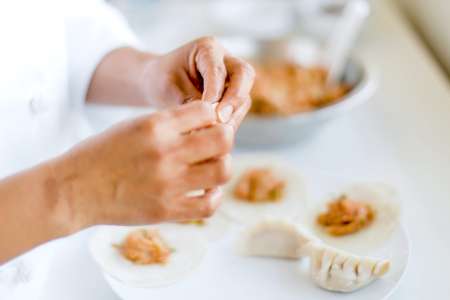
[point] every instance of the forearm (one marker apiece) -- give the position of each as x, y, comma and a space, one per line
119, 78
31, 211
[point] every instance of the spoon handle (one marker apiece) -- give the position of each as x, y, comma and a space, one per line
342, 39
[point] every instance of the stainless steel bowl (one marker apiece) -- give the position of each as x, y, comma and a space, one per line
257, 131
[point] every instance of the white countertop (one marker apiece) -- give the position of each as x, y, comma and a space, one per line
403, 135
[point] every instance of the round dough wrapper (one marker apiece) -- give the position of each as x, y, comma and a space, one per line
382, 198
289, 207
189, 250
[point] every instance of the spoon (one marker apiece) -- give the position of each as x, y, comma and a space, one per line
342, 39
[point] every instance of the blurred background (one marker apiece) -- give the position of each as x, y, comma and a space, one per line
163, 24
305, 31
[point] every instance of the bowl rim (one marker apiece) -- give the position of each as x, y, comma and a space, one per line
360, 93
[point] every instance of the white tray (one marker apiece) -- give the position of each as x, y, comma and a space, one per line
226, 275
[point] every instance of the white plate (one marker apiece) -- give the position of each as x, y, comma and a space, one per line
225, 275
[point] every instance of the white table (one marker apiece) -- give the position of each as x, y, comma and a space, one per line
403, 135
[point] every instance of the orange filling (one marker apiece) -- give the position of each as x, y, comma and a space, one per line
259, 185
286, 88
345, 216
144, 247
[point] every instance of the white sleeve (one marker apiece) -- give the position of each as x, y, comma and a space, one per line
93, 29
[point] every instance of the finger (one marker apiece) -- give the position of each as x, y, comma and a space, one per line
189, 90
239, 114
191, 116
207, 175
199, 207
205, 144
241, 76
209, 62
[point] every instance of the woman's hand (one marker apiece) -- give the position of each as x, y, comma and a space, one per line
141, 170
203, 70
137, 172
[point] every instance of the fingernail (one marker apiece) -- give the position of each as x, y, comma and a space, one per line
225, 113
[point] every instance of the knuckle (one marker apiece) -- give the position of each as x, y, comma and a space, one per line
144, 126
157, 153
207, 41
152, 125
158, 138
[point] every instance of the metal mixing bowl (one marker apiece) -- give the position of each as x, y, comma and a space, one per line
257, 131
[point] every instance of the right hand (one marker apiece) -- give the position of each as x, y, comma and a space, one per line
139, 171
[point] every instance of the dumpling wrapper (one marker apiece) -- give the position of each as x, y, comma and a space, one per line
189, 250
382, 198
213, 229
277, 238
292, 204
341, 271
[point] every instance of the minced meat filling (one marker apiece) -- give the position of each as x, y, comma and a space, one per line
286, 88
144, 247
345, 216
259, 185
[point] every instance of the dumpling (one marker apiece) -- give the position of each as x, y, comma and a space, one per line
381, 198
293, 199
340, 271
187, 252
274, 238
330, 268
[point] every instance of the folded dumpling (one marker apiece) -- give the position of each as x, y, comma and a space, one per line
274, 238
330, 268
336, 270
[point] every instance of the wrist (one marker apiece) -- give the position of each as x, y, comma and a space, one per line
150, 75
62, 189
119, 78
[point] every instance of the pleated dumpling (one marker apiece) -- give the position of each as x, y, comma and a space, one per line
274, 238
340, 271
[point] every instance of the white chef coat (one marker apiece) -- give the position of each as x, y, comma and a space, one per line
49, 50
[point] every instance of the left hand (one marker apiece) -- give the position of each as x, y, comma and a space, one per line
201, 69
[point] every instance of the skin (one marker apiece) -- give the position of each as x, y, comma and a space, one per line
138, 171
201, 69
